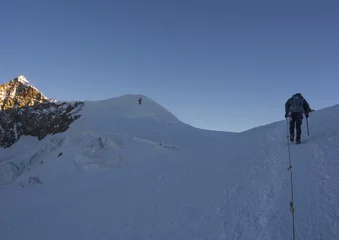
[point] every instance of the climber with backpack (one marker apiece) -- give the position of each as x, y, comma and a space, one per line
295, 108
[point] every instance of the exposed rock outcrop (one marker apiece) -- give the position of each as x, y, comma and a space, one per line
18, 93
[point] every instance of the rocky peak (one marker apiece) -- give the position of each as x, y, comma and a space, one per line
22, 80
18, 93
25, 111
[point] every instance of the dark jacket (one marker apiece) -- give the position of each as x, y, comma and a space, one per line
306, 106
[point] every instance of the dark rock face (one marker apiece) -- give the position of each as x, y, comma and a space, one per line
25, 111
38, 121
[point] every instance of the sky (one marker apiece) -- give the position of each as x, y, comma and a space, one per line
219, 65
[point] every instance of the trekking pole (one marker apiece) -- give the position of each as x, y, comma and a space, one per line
288, 142
308, 130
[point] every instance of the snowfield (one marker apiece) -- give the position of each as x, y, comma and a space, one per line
129, 171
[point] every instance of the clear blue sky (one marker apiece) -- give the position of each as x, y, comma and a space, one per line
224, 65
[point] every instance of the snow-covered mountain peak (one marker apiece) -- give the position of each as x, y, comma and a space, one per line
22, 79
19, 92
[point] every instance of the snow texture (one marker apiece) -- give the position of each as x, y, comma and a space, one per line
130, 171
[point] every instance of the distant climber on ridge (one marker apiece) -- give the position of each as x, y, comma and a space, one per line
140, 100
295, 107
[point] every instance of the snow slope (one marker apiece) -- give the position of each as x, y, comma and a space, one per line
195, 185
148, 121
110, 133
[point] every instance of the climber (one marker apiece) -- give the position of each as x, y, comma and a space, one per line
295, 108
140, 100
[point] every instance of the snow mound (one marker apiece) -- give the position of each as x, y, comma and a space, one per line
126, 117
127, 106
